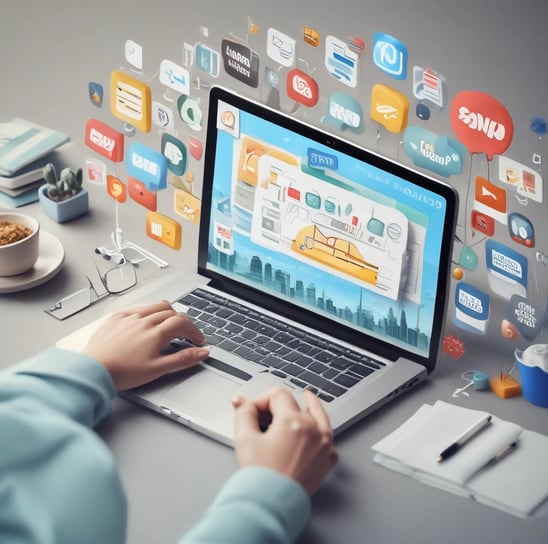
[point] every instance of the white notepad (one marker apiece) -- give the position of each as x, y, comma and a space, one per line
517, 483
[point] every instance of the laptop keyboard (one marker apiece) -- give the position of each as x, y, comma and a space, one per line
305, 360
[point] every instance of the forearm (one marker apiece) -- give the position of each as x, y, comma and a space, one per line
61, 381
58, 481
255, 505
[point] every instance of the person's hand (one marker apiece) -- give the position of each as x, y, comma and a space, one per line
297, 443
128, 344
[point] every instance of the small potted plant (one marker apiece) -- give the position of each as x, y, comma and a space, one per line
63, 198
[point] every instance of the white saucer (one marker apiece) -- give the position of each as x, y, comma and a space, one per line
50, 260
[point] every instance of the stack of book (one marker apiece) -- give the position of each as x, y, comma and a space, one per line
25, 148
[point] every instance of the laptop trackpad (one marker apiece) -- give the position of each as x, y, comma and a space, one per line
203, 394
209, 394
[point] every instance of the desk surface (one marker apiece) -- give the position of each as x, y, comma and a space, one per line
171, 474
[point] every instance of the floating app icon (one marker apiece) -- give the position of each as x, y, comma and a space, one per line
302, 88
164, 229
311, 36
280, 47
96, 171
471, 309
429, 87
526, 181
390, 55
528, 318
483, 223
162, 116
175, 152
174, 76
147, 165
95, 92
195, 148
506, 269
116, 189
134, 54
187, 205
341, 61
481, 123
389, 107
344, 112
139, 193
190, 112
130, 100
436, 153
104, 140
207, 59
490, 199
521, 229
240, 62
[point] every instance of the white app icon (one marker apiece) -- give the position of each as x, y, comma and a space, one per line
341, 61
162, 115
173, 154
174, 76
134, 54
280, 47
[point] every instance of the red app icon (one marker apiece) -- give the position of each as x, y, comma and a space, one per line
138, 192
302, 88
483, 223
104, 140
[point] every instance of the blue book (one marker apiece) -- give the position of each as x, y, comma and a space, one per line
23, 142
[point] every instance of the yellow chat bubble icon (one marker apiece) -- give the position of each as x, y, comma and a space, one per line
389, 107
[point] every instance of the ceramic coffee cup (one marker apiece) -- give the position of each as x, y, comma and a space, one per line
20, 255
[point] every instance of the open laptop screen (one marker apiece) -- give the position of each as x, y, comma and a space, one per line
323, 231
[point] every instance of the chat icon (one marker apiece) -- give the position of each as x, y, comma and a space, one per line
481, 123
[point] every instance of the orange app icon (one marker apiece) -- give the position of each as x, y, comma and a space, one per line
311, 36
116, 188
130, 100
490, 195
389, 108
163, 229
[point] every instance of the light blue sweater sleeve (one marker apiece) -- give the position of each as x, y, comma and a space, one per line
59, 483
257, 505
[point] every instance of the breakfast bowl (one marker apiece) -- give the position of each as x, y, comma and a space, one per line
19, 243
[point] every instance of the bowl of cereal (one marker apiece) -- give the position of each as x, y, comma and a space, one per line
19, 243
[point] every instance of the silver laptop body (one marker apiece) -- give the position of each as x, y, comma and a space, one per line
308, 234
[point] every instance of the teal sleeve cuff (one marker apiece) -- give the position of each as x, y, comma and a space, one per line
256, 505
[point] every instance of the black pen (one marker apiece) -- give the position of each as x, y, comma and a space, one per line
464, 438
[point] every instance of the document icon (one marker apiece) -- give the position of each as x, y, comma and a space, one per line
341, 61
130, 100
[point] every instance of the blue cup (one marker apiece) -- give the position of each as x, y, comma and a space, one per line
534, 379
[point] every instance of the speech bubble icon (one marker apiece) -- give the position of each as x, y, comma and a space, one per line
436, 153
481, 123
195, 147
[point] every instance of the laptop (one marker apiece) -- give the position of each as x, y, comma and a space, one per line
320, 265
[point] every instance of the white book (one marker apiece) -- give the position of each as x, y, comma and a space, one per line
473, 471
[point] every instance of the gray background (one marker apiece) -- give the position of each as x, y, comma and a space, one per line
49, 53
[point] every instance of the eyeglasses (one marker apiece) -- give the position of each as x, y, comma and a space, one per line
113, 281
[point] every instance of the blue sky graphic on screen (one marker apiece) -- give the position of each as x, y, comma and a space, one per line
328, 232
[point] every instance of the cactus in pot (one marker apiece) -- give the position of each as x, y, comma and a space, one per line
66, 186
63, 198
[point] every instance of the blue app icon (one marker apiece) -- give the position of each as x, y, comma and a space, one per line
390, 55
471, 308
521, 229
147, 165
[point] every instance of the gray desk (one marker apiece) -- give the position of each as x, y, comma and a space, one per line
171, 474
